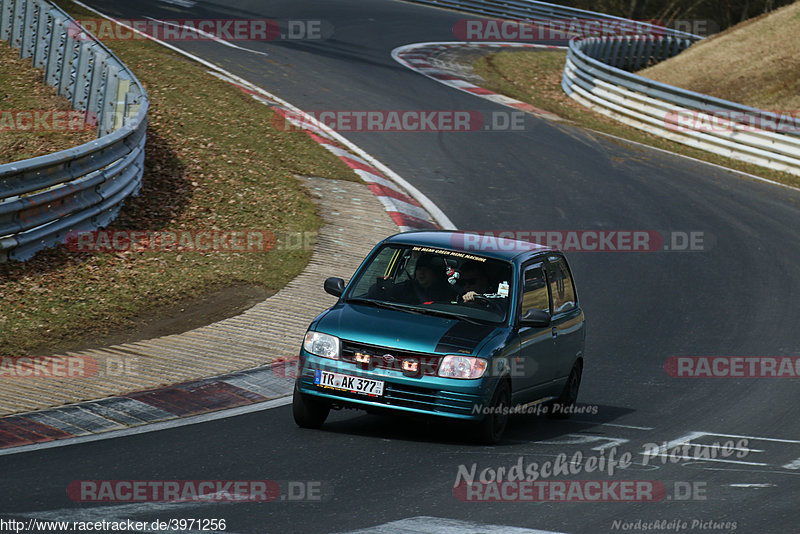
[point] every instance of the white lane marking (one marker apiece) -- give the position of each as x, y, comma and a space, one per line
441, 525
751, 437
438, 215
611, 424
752, 485
206, 34
154, 427
374, 178
580, 439
501, 99
674, 445
612, 442
734, 469
700, 459
458, 84
792, 465
345, 154
664, 450
180, 3
395, 204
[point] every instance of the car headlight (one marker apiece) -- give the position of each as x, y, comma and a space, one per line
462, 367
321, 344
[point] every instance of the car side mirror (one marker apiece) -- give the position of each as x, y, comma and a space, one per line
534, 317
334, 286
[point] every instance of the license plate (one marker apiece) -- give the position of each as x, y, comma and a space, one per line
354, 384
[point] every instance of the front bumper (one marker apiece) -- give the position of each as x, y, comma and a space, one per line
447, 397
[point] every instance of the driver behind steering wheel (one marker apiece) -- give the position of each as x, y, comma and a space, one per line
475, 280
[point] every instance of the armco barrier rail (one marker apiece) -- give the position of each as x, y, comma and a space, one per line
82, 188
542, 12
597, 74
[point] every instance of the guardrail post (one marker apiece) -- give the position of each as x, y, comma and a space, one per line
26, 44
81, 86
65, 81
17, 23
54, 52
42, 38
94, 102
6, 14
106, 116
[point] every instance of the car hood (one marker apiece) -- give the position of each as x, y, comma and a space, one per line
403, 330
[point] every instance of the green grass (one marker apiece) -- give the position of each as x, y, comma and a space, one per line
535, 77
214, 161
756, 63
21, 90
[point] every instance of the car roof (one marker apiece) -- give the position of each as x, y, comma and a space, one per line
483, 244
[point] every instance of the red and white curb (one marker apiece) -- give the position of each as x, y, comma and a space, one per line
196, 401
404, 210
407, 205
417, 57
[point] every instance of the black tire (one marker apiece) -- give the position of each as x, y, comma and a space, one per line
491, 428
561, 408
308, 412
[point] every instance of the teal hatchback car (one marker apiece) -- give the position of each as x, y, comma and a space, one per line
447, 324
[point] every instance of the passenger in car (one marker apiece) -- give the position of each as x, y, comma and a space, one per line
428, 285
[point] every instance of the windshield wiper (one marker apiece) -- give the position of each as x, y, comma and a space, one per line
463, 317
420, 311
384, 304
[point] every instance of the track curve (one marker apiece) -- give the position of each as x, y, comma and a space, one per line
736, 297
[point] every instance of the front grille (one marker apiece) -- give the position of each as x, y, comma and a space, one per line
418, 398
383, 358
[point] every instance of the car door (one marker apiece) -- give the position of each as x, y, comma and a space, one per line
534, 364
567, 324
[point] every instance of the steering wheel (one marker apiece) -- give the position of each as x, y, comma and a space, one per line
478, 296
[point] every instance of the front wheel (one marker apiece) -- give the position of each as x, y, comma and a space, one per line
308, 412
491, 429
562, 407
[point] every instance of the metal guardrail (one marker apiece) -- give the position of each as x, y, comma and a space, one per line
42, 199
543, 12
597, 75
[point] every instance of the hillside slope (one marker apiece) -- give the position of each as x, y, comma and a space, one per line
756, 63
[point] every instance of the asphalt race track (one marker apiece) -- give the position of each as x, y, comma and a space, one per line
736, 296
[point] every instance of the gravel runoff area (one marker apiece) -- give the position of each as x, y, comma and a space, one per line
355, 220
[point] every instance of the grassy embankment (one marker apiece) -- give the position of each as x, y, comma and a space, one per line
755, 63
214, 162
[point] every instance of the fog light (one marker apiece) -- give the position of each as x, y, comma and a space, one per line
412, 366
361, 357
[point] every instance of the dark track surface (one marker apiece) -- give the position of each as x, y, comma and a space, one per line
737, 297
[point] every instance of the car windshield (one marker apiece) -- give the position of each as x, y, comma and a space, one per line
435, 281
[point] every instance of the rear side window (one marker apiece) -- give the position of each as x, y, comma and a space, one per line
534, 290
561, 287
